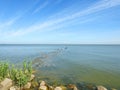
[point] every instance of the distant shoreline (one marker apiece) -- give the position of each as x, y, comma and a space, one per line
59, 44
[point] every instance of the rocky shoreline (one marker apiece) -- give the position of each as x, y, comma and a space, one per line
7, 84
12, 78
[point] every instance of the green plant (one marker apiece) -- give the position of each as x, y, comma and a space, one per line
3, 70
30, 67
24, 66
21, 78
27, 67
12, 73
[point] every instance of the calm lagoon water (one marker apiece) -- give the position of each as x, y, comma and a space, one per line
97, 64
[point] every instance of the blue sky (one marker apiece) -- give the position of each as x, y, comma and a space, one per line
59, 21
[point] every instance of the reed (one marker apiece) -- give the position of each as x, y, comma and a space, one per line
4, 69
20, 76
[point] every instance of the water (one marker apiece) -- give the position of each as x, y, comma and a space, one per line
98, 64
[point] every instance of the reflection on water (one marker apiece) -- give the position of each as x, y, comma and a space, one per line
97, 64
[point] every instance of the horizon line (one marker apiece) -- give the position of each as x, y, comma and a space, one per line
59, 44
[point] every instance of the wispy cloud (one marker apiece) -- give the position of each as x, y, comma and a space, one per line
53, 22
41, 7
8, 22
102, 5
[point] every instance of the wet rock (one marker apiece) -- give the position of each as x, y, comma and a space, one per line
32, 77
33, 72
58, 88
114, 89
86, 86
28, 85
50, 88
42, 83
43, 88
101, 88
63, 87
34, 84
91, 87
15, 88
73, 87
12, 88
6, 84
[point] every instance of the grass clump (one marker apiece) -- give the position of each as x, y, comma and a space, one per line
4, 69
20, 76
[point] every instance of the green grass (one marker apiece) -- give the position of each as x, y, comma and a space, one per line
4, 69
20, 76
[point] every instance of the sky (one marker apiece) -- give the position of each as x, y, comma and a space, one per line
59, 21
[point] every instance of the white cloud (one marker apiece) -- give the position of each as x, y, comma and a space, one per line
52, 23
40, 7
102, 5
8, 22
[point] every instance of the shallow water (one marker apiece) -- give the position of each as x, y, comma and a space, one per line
98, 64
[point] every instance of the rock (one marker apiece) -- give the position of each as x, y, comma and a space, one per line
34, 84
17, 88
91, 87
73, 87
114, 89
101, 88
63, 87
50, 88
42, 83
6, 84
32, 77
28, 85
58, 88
33, 71
12, 88
42, 88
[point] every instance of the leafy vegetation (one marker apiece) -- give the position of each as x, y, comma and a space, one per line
4, 67
20, 76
